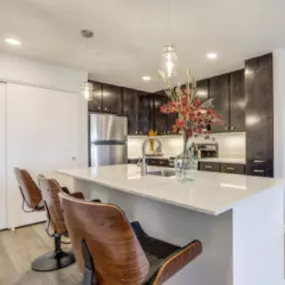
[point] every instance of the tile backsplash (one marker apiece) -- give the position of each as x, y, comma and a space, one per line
230, 145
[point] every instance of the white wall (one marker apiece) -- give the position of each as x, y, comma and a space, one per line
45, 123
230, 145
21, 70
3, 190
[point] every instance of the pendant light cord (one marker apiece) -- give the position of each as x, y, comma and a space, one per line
168, 21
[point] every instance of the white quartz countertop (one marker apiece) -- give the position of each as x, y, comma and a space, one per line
211, 193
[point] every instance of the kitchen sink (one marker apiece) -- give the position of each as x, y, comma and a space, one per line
162, 172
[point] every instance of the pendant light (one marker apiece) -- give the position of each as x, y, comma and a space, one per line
169, 55
87, 87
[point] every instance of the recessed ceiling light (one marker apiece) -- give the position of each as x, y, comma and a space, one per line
13, 42
146, 78
212, 55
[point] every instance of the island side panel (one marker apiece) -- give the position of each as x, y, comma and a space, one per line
258, 239
178, 226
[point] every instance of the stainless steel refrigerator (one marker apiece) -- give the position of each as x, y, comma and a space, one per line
108, 139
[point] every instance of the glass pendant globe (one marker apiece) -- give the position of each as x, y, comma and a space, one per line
169, 61
87, 88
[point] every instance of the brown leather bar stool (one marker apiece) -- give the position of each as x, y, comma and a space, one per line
111, 251
31, 194
58, 258
32, 198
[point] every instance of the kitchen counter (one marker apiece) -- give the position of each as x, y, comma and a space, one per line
239, 219
210, 193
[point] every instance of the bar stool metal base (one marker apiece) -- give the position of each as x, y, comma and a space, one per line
55, 260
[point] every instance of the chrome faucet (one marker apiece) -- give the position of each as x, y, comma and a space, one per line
143, 163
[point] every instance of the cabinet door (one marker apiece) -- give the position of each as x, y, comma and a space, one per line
131, 107
237, 101
233, 168
46, 131
220, 92
145, 113
112, 99
161, 124
209, 166
259, 109
202, 92
95, 105
3, 190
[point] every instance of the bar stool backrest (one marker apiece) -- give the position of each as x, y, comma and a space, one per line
50, 190
31, 193
117, 256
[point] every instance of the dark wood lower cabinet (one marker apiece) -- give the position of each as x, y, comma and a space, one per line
209, 166
233, 168
260, 168
163, 162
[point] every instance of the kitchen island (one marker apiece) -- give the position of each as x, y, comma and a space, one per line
238, 219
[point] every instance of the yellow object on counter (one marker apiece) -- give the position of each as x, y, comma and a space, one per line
152, 133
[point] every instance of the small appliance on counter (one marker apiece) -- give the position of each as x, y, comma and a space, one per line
108, 139
207, 150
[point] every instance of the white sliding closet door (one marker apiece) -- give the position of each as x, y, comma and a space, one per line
44, 133
3, 196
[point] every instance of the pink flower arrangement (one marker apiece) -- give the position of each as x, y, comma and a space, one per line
195, 118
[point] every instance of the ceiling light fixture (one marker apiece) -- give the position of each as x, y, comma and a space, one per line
212, 55
87, 87
169, 55
146, 78
13, 42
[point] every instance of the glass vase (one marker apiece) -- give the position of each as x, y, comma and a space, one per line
186, 164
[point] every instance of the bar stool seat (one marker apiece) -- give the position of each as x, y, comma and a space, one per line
158, 252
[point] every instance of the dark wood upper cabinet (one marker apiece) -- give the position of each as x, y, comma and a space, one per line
220, 92
202, 90
259, 115
112, 99
95, 105
131, 110
145, 113
237, 101
161, 124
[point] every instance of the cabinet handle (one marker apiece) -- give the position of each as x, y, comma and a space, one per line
140, 132
226, 128
258, 170
99, 108
136, 132
161, 162
230, 168
258, 161
208, 166
232, 128
105, 109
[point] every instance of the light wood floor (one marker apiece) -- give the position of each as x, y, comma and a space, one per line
17, 251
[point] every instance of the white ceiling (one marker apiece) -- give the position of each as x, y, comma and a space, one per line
130, 34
